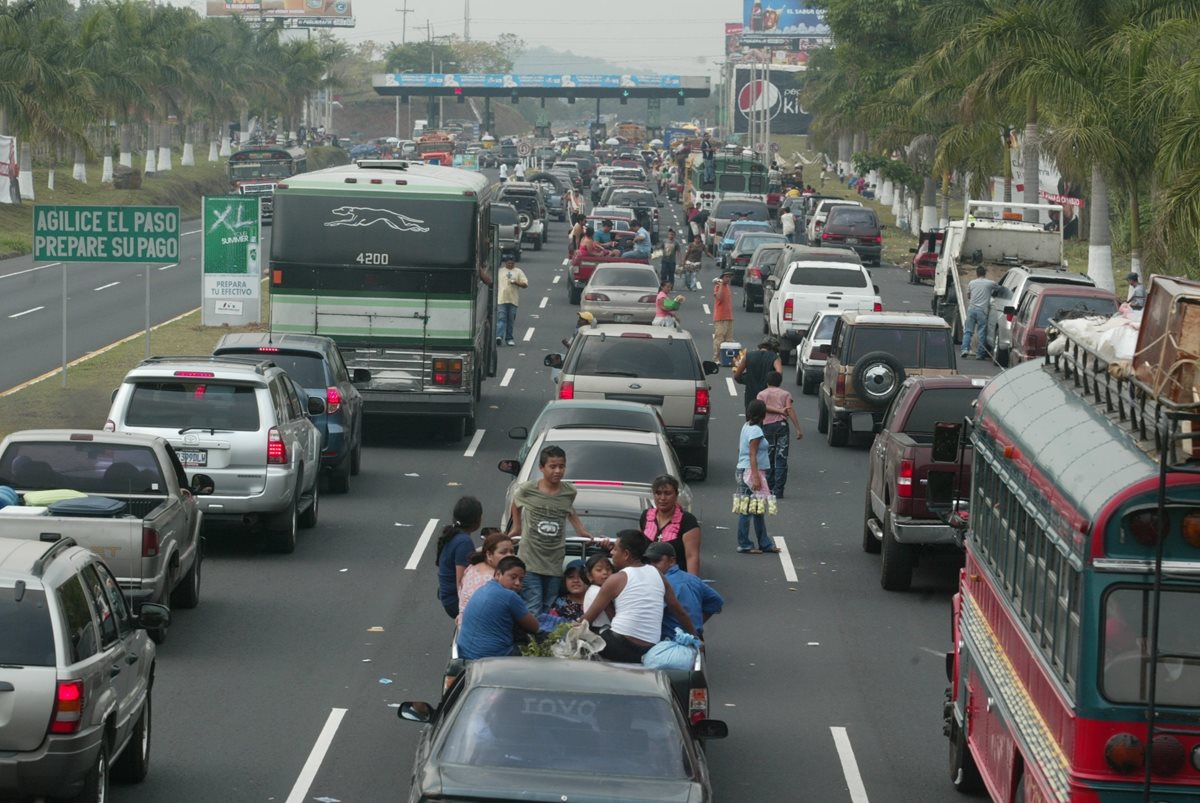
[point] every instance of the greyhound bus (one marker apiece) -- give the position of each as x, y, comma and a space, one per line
392, 260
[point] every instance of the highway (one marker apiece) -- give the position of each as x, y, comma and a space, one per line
284, 683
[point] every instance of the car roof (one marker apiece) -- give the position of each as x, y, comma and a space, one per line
17, 556
1059, 276
922, 319
781, 239
588, 434
564, 675
809, 253
598, 404
84, 435
607, 211
226, 366
634, 329
1069, 289
316, 343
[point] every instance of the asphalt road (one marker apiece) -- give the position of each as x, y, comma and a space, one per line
105, 302
283, 683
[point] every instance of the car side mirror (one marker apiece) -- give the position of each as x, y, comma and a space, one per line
707, 729
152, 616
711, 368
202, 485
825, 348
694, 473
361, 376
316, 405
518, 433
418, 712
510, 466
553, 361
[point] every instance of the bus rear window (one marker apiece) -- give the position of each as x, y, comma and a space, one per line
747, 210
1125, 676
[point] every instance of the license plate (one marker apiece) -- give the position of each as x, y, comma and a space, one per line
193, 458
852, 240
623, 318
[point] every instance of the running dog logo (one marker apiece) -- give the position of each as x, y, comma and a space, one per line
369, 216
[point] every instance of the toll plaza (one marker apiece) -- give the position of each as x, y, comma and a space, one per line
517, 86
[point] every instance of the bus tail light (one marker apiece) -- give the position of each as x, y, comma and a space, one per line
68, 707
333, 400
702, 401
698, 704
1167, 755
788, 310
1144, 527
904, 481
566, 390
277, 454
1190, 529
1124, 753
447, 372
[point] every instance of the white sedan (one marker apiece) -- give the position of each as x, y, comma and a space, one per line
810, 360
621, 292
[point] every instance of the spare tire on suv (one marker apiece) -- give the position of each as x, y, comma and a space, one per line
877, 378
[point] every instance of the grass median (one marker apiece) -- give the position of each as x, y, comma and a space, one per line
84, 403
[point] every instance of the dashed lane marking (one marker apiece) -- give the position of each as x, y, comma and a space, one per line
854, 781
104, 287
508, 375
545, 300
415, 559
785, 557
309, 771
473, 446
528, 335
732, 387
556, 278
23, 313
707, 311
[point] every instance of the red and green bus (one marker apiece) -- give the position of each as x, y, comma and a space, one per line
1075, 629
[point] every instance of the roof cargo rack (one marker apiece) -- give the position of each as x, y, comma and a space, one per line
259, 364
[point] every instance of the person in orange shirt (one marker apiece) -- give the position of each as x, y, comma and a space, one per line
722, 312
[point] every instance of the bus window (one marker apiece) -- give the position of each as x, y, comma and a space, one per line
1126, 673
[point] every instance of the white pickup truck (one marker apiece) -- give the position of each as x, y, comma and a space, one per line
152, 545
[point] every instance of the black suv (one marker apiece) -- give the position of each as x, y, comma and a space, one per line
643, 202
316, 365
531, 210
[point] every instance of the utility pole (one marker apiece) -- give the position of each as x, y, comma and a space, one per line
466, 20
404, 12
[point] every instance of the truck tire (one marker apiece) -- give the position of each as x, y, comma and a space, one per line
822, 416
700, 460
356, 455
134, 762
808, 386
537, 242
308, 519
964, 773
339, 478
282, 535
836, 436
870, 543
574, 294
186, 593
896, 568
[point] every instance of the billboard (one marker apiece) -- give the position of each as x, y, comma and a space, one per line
314, 13
779, 98
784, 17
522, 81
733, 37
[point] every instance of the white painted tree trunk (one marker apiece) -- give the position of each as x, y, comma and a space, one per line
79, 172
844, 153
1030, 157
887, 192
151, 161
164, 151
189, 155
1100, 264
914, 214
929, 212
214, 149
226, 146
126, 155
897, 199
50, 180
25, 180
106, 173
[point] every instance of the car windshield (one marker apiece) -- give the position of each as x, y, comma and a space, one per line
83, 466
851, 216
631, 198
735, 229
618, 225
193, 405
625, 277
825, 209
749, 242
825, 327
636, 357
25, 622
821, 276
610, 461
1126, 633
637, 420
621, 735
941, 404
1052, 306
526, 202
751, 210
306, 368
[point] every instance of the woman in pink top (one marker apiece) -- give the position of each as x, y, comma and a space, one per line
665, 306
780, 410
483, 567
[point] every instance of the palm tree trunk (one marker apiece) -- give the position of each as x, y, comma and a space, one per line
189, 147
1032, 152
151, 150
54, 154
844, 152
126, 152
945, 218
929, 214
1135, 229
165, 139
1100, 234
25, 176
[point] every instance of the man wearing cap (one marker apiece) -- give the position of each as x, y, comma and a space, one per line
722, 312
1137, 292
696, 596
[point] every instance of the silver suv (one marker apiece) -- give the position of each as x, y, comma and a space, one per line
76, 671
242, 421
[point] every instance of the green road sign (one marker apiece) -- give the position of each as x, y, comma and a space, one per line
105, 233
230, 228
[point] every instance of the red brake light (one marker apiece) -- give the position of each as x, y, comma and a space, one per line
566, 390
1008, 316
648, 299
878, 306
698, 704
196, 374
755, 273
276, 448
596, 297
447, 371
333, 400
825, 235
878, 239
788, 309
68, 707
268, 349
1124, 753
904, 481
150, 542
839, 386
702, 401
1167, 755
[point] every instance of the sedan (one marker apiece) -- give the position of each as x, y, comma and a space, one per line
731, 234
810, 359
621, 292
546, 729
596, 413
758, 268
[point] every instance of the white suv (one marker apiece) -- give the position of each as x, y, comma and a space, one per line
240, 420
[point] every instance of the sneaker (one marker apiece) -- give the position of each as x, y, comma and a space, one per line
964, 356
512, 342
499, 340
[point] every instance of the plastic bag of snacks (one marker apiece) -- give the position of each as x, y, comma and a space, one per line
755, 501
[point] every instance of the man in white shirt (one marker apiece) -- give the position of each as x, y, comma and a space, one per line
508, 298
519, 171
787, 222
503, 172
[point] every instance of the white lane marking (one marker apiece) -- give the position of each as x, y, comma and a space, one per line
528, 335
556, 278
168, 267
508, 375
854, 781
26, 312
732, 387
422, 542
566, 261
30, 270
474, 444
309, 771
785, 557
545, 300
707, 311
186, 233
104, 287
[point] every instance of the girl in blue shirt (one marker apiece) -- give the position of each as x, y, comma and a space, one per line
753, 458
454, 550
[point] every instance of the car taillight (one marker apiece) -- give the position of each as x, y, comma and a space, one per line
595, 297
150, 542
816, 354
741, 260
878, 306
904, 481
566, 390
333, 400
109, 426
650, 298
68, 707
839, 386
698, 704
755, 273
276, 448
877, 239
447, 372
788, 309
826, 235
702, 401
1008, 316
1167, 755
1124, 753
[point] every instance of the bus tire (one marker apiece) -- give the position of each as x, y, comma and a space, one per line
964, 774
896, 568
469, 425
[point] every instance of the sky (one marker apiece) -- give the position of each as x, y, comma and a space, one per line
667, 36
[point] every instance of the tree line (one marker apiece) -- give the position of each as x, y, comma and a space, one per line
922, 90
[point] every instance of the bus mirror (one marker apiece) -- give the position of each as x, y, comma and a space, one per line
946, 441
361, 376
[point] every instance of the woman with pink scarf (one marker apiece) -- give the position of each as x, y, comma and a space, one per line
669, 522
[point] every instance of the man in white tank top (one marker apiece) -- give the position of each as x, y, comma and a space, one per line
639, 593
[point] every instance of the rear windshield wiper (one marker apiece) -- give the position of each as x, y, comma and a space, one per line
615, 373
209, 430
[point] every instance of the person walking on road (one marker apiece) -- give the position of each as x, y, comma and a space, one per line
670, 255
693, 257
519, 171
503, 172
780, 410
722, 312
787, 224
979, 296
710, 166
508, 298
665, 306
749, 478
754, 366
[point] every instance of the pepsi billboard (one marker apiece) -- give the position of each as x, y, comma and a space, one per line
779, 98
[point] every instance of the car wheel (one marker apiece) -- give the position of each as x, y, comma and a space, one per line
896, 568
308, 519
134, 762
746, 305
283, 529
95, 783
469, 426
877, 378
766, 326
836, 436
822, 416
912, 276
186, 593
870, 544
339, 478
810, 385
1002, 357
964, 773
700, 460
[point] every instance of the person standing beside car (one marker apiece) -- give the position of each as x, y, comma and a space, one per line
670, 254
780, 410
503, 172
754, 366
787, 224
979, 298
454, 548
722, 312
508, 298
749, 479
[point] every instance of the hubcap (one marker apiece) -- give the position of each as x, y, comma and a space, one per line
879, 380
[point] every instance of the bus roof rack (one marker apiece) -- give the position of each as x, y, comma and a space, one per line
382, 164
